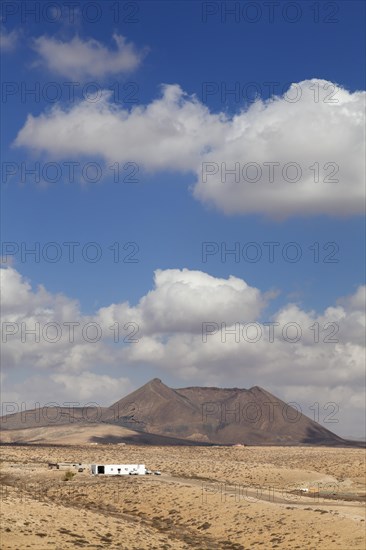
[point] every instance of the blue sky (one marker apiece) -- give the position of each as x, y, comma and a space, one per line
168, 213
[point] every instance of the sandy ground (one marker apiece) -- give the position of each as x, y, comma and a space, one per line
66, 434
207, 498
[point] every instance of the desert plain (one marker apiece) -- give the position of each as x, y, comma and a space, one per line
206, 498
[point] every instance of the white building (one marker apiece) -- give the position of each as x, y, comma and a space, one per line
118, 469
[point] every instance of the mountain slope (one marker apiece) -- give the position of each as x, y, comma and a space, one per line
156, 412
217, 415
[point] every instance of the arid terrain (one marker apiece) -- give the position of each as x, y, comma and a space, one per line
206, 498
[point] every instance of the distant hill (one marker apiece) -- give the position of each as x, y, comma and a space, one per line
157, 414
218, 415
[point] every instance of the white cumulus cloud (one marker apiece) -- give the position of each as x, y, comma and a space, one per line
82, 59
8, 40
182, 299
169, 133
287, 158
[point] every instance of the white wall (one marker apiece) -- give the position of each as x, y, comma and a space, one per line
118, 469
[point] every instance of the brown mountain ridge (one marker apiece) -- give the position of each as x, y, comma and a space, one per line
158, 414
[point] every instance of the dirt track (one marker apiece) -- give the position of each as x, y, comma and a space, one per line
220, 498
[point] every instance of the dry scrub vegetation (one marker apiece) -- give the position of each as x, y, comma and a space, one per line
207, 498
